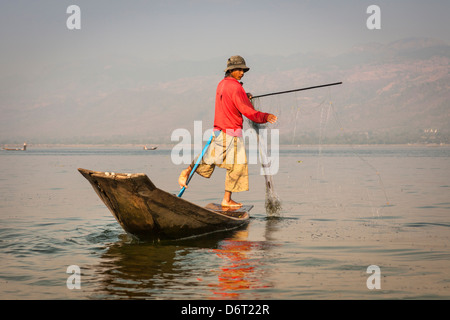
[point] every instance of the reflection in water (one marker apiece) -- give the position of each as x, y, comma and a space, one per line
224, 264
242, 270
133, 270
244, 265
272, 226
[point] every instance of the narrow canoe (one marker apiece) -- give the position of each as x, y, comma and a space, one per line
145, 211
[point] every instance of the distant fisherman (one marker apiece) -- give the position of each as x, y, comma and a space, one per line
227, 149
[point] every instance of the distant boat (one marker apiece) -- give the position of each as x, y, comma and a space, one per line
17, 149
151, 148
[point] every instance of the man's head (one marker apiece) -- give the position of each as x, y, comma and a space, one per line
236, 62
236, 67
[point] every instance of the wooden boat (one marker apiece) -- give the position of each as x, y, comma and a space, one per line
148, 212
151, 148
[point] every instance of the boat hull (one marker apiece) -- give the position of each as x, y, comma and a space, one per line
146, 211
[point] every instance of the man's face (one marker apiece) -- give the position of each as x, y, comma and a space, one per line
237, 74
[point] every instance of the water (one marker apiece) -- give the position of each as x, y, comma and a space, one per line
343, 209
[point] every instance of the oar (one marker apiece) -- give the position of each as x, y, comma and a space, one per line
195, 166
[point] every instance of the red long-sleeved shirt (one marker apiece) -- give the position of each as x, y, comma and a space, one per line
231, 103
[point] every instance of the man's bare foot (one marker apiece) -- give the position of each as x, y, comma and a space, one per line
230, 203
183, 177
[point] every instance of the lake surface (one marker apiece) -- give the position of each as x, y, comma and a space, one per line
343, 209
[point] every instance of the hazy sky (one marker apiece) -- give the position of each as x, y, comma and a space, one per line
53, 78
34, 32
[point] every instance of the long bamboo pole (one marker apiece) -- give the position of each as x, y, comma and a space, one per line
295, 90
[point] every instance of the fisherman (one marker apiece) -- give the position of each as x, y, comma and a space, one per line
227, 149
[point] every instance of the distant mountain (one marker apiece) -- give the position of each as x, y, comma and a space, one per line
391, 93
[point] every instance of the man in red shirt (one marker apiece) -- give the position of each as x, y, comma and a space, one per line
227, 149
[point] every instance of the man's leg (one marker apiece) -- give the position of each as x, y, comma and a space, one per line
228, 202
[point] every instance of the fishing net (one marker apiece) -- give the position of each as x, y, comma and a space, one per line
272, 200
309, 127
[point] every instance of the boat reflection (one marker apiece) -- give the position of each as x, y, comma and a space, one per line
222, 265
147, 270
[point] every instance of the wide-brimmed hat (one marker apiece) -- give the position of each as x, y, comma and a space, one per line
236, 62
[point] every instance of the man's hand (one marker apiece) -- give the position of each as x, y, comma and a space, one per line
183, 177
272, 118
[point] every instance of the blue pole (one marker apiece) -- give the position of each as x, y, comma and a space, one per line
195, 166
